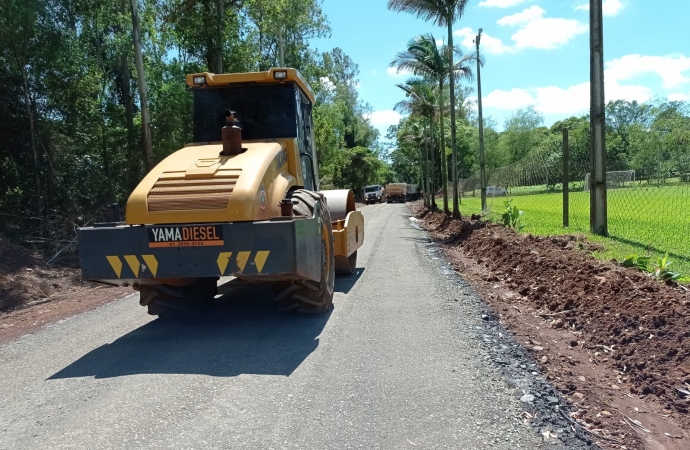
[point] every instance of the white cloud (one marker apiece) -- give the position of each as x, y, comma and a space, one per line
526, 16
679, 97
616, 91
557, 100
439, 42
547, 34
500, 3
534, 31
554, 100
542, 32
489, 44
395, 73
327, 83
512, 99
672, 69
374, 72
609, 7
383, 118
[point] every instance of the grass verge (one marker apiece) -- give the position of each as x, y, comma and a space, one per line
641, 221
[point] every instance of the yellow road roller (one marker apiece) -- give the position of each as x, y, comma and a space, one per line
241, 200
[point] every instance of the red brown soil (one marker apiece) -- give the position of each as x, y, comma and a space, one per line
611, 339
34, 294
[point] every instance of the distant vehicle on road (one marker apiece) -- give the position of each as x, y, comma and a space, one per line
495, 191
374, 194
396, 192
412, 192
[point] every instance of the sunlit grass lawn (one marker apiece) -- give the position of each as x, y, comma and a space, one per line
640, 219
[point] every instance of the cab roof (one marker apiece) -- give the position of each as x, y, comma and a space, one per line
268, 77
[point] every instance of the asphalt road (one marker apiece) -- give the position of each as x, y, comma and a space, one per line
397, 364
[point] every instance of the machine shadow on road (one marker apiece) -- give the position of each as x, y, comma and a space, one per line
242, 333
344, 284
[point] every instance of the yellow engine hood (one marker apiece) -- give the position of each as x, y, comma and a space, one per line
197, 185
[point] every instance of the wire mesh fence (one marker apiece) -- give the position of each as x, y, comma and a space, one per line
648, 208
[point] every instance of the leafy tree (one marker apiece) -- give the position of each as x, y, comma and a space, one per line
522, 133
72, 116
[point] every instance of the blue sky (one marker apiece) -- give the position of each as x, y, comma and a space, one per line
536, 52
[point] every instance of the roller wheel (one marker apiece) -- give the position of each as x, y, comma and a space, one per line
307, 295
178, 303
346, 266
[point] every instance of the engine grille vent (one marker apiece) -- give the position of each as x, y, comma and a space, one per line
188, 194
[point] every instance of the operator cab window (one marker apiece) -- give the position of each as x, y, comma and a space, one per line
262, 111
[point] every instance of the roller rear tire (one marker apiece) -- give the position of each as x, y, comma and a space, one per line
307, 295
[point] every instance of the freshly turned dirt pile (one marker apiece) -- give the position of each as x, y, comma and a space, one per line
34, 294
632, 329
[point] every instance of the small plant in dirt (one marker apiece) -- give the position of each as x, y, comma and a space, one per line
638, 262
663, 272
512, 216
660, 269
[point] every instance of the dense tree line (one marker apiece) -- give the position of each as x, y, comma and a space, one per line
71, 116
651, 138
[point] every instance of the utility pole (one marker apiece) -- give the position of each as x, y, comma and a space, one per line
597, 194
139, 62
482, 164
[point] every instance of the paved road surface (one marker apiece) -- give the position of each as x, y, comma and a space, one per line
395, 365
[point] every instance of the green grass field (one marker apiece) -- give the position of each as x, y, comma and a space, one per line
643, 220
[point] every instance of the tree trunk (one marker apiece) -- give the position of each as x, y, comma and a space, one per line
453, 138
433, 165
428, 187
34, 145
422, 171
104, 142
444, 162
133, 175
219, 56
148, 148
281, 49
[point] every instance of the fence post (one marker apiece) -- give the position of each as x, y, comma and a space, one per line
597, 193
566, 173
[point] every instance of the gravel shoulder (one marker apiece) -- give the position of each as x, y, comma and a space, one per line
609, 339
402, 361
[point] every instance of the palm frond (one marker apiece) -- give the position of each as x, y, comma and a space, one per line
435, 11
464, 65
423, 58
438, 12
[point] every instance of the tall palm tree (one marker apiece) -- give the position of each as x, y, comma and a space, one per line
415, 135
421, 102
440, 13
425, 57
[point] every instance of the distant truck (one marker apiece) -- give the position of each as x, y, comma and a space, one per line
396, 192
374, 194
412, 192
